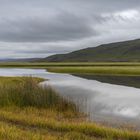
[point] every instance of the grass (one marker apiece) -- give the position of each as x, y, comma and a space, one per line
106, 68
60, 64
48, 123
99, 70
25, 91
28, 111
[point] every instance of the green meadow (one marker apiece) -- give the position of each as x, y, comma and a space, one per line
99, 70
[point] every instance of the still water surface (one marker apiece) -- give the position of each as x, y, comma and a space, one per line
104, 102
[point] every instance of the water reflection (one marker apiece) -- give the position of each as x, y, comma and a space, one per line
133, 81
110, 103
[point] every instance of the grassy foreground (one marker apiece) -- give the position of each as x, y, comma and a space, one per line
28, 111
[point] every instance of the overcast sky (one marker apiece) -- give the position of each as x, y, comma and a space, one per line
39, 28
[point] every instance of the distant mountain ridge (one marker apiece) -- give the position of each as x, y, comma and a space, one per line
114, 52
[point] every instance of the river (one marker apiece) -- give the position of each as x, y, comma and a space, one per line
104, 102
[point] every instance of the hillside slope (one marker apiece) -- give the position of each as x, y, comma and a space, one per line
120, 51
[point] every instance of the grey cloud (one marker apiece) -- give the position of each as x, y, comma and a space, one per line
47, 49
29, 28
40, 29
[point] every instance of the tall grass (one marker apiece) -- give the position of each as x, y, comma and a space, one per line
27, 93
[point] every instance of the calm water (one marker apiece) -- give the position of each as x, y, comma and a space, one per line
108, 103
131, 81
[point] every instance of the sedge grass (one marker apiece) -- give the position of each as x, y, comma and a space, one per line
24, 92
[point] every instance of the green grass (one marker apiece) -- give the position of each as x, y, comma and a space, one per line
99, 70
118, 68
28, 111
29, 93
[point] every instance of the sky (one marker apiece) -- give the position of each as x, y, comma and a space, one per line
39, 28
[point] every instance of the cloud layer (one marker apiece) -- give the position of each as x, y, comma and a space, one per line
41, 28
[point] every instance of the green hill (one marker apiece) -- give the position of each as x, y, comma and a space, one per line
120, 51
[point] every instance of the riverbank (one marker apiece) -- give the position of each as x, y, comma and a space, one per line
117, 68
28, 111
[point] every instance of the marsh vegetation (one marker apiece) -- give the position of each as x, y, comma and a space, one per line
28, 111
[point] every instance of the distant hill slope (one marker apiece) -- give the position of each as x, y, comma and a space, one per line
120, 51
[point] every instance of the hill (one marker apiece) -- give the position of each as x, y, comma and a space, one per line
113, 52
